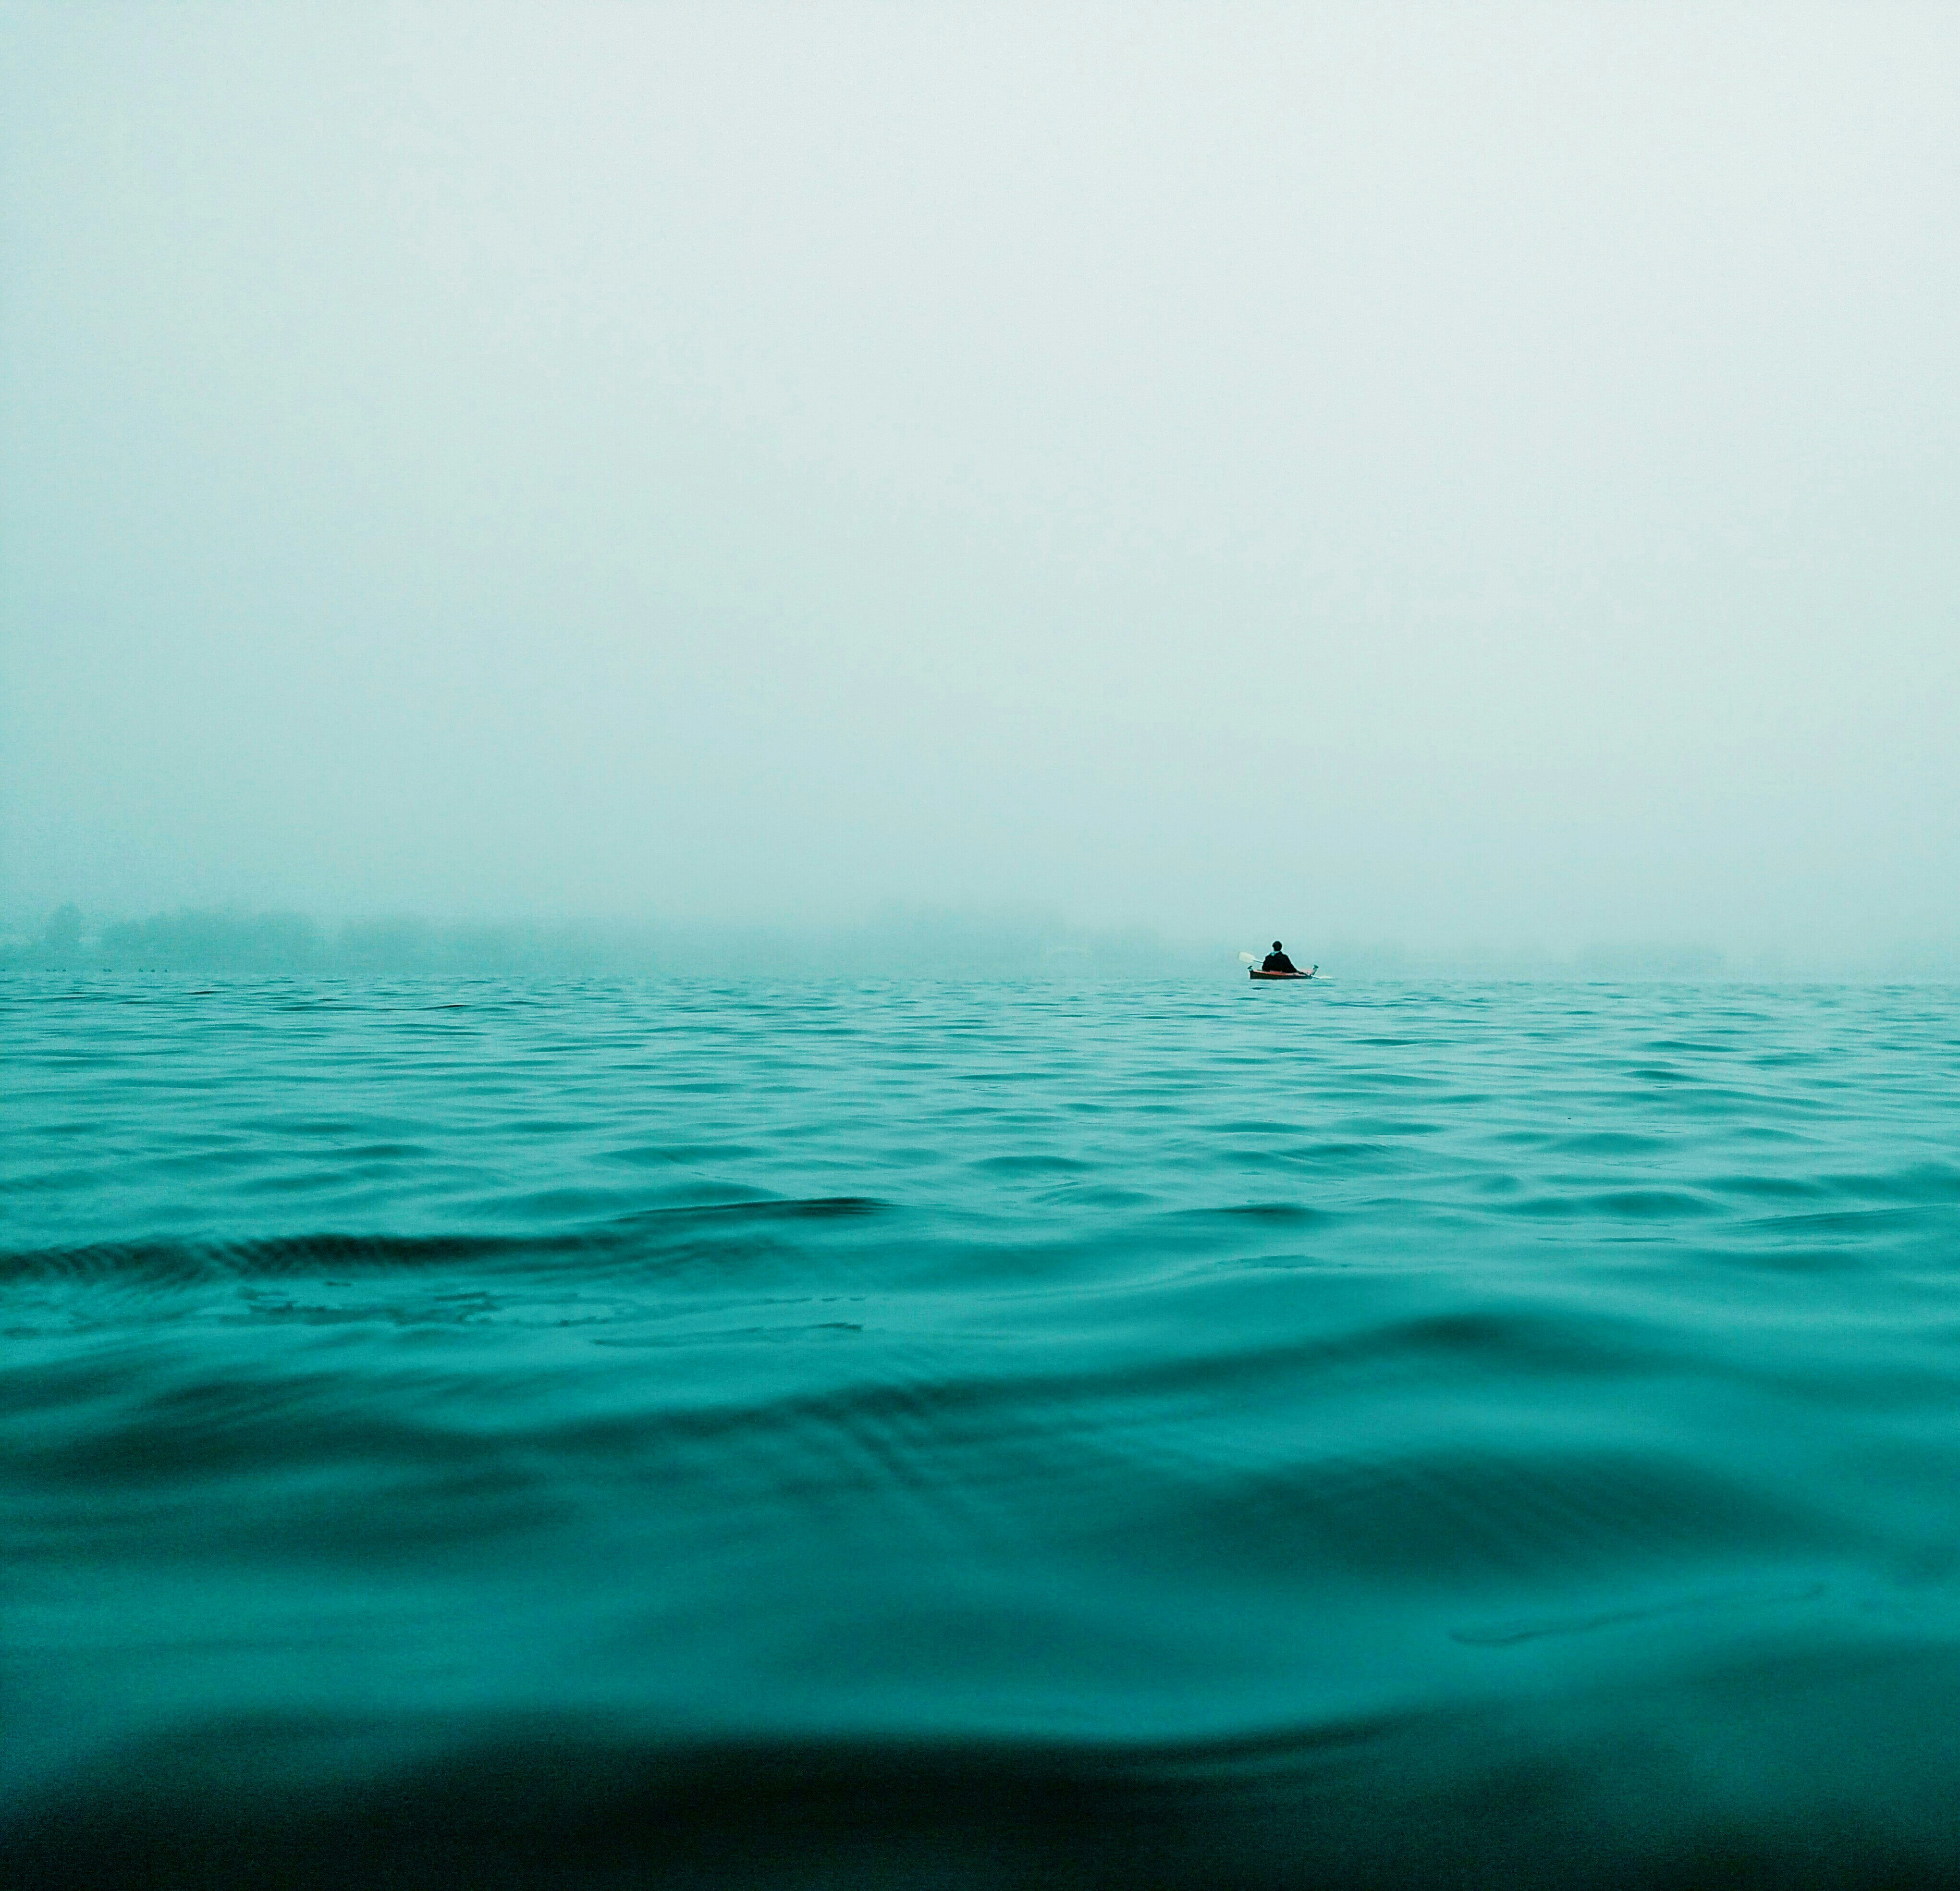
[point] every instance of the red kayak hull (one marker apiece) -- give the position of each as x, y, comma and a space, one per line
1258, 974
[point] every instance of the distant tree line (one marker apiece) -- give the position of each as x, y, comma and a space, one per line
897, 944
226, 940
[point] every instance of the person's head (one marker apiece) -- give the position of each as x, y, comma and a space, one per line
1278, 947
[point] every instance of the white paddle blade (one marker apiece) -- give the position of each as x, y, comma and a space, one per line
1248, 958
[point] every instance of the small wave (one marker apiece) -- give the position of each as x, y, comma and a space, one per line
1612, 1789
166, 1262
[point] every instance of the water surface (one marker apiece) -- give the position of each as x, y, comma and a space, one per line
490, 1433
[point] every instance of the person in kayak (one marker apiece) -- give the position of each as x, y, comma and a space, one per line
1277, 961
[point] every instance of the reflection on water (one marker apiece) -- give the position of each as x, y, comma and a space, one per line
490, 1433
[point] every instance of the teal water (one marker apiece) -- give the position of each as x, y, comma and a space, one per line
482, 1434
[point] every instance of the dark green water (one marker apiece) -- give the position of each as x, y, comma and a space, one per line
470, 1433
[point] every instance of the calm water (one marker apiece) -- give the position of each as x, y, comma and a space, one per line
1199, 1435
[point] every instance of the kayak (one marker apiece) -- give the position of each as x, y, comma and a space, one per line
1258, 974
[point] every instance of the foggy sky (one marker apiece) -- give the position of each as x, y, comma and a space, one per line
1436, 473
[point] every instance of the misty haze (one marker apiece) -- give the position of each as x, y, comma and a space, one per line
1466, 479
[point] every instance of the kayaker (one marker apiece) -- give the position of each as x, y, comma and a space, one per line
1277, 961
